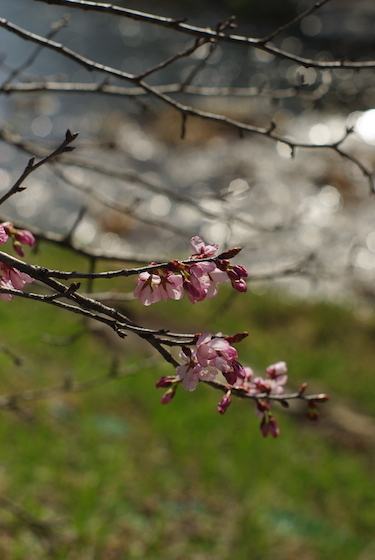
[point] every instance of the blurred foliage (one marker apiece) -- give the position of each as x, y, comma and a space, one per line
119, 476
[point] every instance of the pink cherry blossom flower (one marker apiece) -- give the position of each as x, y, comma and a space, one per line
15, 277
8, 285
217, 350
3, 235
205, 277
277, 372
245, 382
192, 372
194, 291
151, 288
201, 249
218, 353
19, 236
11, 278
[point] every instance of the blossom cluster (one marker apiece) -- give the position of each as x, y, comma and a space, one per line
214, 356
200, 280
10, 277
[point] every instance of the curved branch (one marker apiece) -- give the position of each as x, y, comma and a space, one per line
183, 109
210, 34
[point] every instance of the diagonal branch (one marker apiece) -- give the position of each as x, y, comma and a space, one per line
32, 166
55, 28
294, 21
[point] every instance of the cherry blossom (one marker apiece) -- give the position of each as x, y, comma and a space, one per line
192, 371
3, 235
11, 278
205, 277
152, 288
201, 249
19, 236
199, 279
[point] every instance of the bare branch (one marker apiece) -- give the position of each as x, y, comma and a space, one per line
209, 91
294, 21
208, 34
183, 109
55, 28
32, 166
242, 394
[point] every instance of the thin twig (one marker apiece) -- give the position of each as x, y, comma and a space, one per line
32, 166
55, 28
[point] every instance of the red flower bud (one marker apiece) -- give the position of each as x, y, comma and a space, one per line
168, 396
224, 403
230, 253
166, 381
234, 338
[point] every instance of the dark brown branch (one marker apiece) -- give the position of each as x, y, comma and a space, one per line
32, 166
242, 394
182, 54
209, 34
183, 109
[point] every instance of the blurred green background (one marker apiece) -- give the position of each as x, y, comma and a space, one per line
116, 475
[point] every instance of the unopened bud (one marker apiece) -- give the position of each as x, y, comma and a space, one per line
273, 427
239, 285
262, 406
168, 395
230, 253
234, 338
166, 381
224, 403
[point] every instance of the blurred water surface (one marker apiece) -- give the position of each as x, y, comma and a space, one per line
244, 191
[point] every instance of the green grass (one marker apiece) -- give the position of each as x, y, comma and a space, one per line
124, 477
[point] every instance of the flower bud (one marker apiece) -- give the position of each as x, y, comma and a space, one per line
232, 339
230, 253
273, 427
239, 285
224, 403
18, 248
166, 381
3, 235
168, 395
